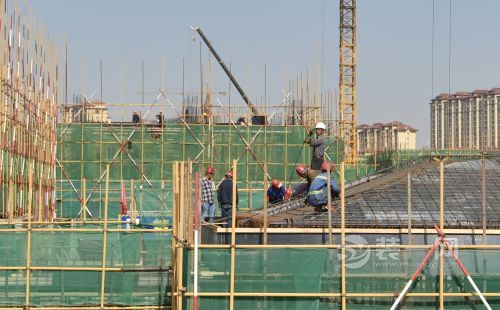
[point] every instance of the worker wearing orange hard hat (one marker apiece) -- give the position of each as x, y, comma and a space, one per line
276, 191
318, 191
309, 175
207, 195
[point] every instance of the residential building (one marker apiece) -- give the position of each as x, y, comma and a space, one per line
465, 120
381, 137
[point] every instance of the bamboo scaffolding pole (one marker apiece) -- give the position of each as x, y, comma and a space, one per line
181, 235
105, 238
483, 191
66, 268
84, 201
174, 232
409, 209
91, 308
132, 202
190, 223
265, 204
337, 246
485, 261
461, 231
325, 295
441, 228
40, 198
65, 222
196, 238
330, 206
233, 236
28, 238
342, 232
128, 230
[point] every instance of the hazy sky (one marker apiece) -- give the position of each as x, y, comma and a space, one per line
394, 47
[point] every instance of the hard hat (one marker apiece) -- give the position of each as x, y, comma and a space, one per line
301, 170
288, 193
275, 183
324, 166
210, 170
320, 125
229, 173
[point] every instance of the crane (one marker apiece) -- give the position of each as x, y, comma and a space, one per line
347, 81
256, 119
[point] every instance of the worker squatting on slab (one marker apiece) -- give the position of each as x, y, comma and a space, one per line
309, 175
207, 195
317, 140
277, 192
225, 195
318, 191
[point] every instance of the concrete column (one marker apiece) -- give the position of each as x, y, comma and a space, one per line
386, 138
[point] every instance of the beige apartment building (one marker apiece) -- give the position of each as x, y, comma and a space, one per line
381, 137
465, 120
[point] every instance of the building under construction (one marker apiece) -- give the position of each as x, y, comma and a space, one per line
100, 208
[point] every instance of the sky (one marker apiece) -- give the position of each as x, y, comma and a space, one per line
397, 74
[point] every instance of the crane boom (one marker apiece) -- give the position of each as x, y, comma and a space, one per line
228, 72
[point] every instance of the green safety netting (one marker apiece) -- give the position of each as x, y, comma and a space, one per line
318, 271
145, 257
84, 150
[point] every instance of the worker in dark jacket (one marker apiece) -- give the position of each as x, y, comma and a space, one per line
136, 118
225, 195
276, 191
318, 192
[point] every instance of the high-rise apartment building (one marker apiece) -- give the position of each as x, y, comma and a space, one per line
381, 137
465, 120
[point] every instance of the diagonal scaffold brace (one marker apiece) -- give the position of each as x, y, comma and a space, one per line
449, 246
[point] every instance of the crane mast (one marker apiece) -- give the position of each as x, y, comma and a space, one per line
347, 84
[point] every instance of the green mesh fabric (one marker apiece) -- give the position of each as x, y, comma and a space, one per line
146, 256
318, 271
85, 149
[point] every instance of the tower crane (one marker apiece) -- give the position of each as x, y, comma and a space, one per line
347, 81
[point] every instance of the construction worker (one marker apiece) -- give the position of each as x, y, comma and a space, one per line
135, 117
207, 199
225, 195
242, 121
276, 191
160, 118
306, 173
318, 195
317, 141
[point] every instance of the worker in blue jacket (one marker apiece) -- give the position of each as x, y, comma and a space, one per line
318, 195
276, 192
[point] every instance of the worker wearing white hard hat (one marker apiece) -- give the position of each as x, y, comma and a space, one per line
317, 141
320, 125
